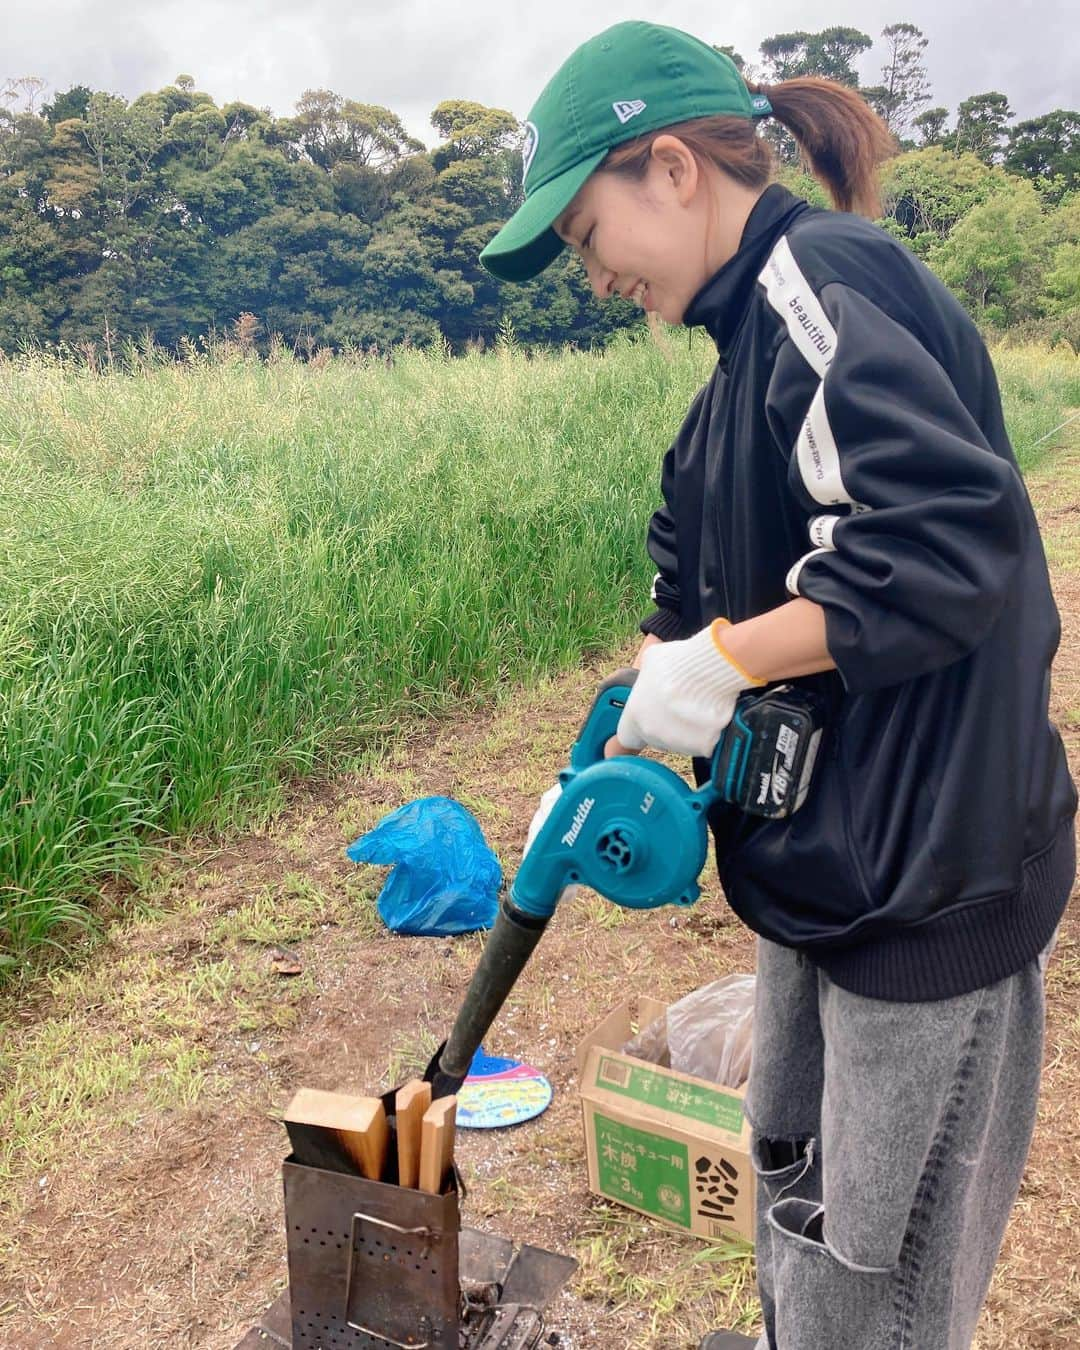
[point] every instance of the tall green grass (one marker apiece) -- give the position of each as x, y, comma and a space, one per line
1039, 390
217, 574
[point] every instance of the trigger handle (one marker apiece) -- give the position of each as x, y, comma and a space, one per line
601, 723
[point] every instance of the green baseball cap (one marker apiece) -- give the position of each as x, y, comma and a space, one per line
631, 79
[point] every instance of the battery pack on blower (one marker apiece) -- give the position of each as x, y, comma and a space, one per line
765, 758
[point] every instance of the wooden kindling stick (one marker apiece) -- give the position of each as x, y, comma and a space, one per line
410, 1104
339, 1132
437, 1144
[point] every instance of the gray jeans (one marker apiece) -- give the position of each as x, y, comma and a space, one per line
889, 1142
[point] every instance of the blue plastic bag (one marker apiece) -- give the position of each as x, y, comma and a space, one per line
446, 879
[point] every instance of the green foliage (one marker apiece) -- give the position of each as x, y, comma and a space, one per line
1062, 281
72, 103
803, 185
330, 130
930, 126
371, 193
167, 217
980, 126
1047, 148
170, 216
471, 131
558, 307
831, 54
123, 142
926, 192
1006, 250
995, 255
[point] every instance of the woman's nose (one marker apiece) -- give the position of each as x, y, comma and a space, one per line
601, 279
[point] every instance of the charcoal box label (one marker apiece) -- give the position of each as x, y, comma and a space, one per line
698, 1102
642, 1169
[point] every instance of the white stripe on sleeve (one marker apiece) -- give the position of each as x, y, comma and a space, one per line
792, 580
791, 296
821, 529
819, 457
816, 452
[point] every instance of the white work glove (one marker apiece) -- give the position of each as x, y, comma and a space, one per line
684, 695
547, 801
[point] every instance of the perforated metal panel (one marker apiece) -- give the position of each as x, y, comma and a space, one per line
370, 1265
373, 1265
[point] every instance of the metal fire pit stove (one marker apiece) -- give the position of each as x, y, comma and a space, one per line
373, 1265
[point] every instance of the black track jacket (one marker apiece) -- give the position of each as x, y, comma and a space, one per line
850, 448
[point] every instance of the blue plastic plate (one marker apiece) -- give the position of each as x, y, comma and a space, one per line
500, 1092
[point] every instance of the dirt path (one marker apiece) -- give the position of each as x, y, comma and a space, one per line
139, 1177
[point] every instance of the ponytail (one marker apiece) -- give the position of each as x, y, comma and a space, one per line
841, 139
840, 136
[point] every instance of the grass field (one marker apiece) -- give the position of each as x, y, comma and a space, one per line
218, 575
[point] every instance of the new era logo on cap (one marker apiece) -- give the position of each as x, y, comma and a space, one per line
631, 108
528, 148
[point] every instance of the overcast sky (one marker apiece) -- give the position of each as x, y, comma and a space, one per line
409, 55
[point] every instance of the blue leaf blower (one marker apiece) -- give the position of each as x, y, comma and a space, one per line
634, 831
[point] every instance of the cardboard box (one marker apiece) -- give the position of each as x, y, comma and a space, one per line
667, 1144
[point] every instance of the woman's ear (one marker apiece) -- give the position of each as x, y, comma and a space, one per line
678, 164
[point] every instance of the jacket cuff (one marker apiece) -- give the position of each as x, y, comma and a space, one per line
666, 624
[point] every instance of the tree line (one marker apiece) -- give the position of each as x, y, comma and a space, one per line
169, 217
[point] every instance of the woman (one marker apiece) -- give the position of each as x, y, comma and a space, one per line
841, 506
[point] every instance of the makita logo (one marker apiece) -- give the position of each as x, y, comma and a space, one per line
813, 331
773, 785
625, 110
581, 815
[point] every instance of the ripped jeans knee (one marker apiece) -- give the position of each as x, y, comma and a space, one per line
785, 1167
803, 1222
810, 1293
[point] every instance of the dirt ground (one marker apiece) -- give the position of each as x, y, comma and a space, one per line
140, 1181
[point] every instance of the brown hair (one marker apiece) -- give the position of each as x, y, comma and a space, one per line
841, 138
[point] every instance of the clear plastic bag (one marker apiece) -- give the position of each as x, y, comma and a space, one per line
706, 1034
446, 879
